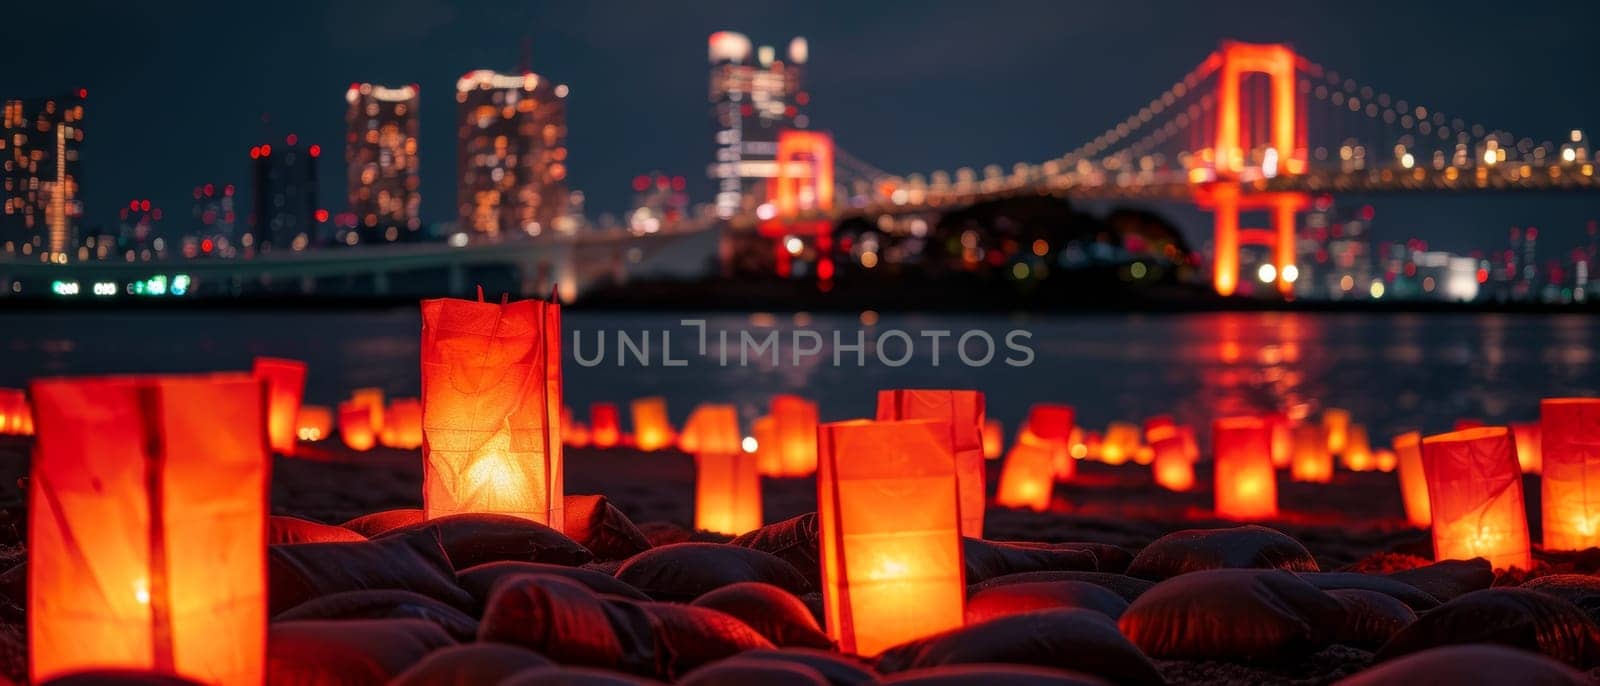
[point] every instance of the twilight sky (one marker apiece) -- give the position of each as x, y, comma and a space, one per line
179, 90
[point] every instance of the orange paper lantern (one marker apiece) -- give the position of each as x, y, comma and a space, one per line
1049, 422
1570, 487
652, 430
605, 427
13, 407
712, 428
889, 533
1120, 443
355, 426
1028, 476
313, 423
962, 411
1312, 461
1413, 482
1282, 439
147, 532
1156, 424
1468, 423
402, 424
286, 381
1384, 459
491, 409
769, 460
795, 422
727, 486
1191, 445
1171, 467
1246, 483
994, 439
1475, 496
1357, 454
372, 399
1336, 428
1530, 452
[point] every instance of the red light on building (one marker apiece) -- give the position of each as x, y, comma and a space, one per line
825, 269
316, 150
640, 183
678, 183
322, 215
210, 190
255, 152
266, 150
291, 139
133, 205
1483, 275
83, 92
207, 246
144, 205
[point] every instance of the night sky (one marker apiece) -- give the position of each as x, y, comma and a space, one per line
179, 91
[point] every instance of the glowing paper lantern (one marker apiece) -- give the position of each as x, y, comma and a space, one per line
285, 380
1312, 461
13, 407
712, 428
355, 426
402, 424
1413, 482
605, 427
1468, 423
1028, 476
1282, 439
1336, 427
372, 399
314, 423
1384, 459
652, 430
1171, 467
1191, 445
795, 421
575, 434
491, 409
1156, 424
1048, 422
1246, 483
994, 439
889, 533
1120, 443
1529, 438
769, 460
1475, 496
962, 412
1571, 482
727, 487
1357, 455
147, 535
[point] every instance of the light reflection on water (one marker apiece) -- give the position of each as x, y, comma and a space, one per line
1393, 372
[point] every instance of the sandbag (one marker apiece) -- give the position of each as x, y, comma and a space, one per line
682, 572
472, 539
119, 677
384, 604
659, 533
298, 572
1081, 640
1470, 664
1413, 597
1232, 614
1013, 599
743, 671
1240, 547
285, 529
347, 652
987, 559
1579, 589
839, 670
695, 636
470, 665
1127, 587
793, 540
780, 617
574, 676
1515, 617
993, 675
1370, 618
596, 524
1449, 579
566, 622
480, 580
379, 523
1109, 558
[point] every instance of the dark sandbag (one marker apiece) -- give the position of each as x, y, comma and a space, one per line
1470, 664
480, 580
596, 524
839, 670
470, 665
298, 572
574, 676
987, 559
566, 622
780, 617
1449, 579
384, 604
379, 523
1013, 599
1109, 558
1515, 617
1413, 597
283, 529
1579, 589
1226, 614
472, 539
347, 652
1370, 618
1126, 586
993, 675
743, 671
794, 540
682, 572
695, 636
14, 593
659, 533
1240, 547
119, 677
1081, 640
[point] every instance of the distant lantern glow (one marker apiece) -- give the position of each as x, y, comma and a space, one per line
1413, 482
1290, 273
764, 436
993, 439
402, 424
355, 426
1529, 446
372, 399
652, 430
1027, 477
1475, 496
1120, 443
1246, 484
1170, 466
749, 444
314, 423
795, 423
1570, 486
963, 414
1311, 461
727, 486
605, 427
1336, 426
1358, 455
285, 381
1267, 273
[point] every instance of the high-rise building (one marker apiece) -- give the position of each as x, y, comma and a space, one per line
212, 221
380, 151
754, 95
138, 238
511, 153
40, 196
285, 214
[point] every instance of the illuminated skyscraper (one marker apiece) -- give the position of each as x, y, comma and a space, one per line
138, 239
40, 197
511, 153
380, 149
211, 227
285, 214
750, 102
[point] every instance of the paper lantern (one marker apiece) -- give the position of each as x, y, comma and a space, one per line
1312, 461
1570, 486
1092, 445
575, 434
1144, 455
1468, 423
402, 424
285, 380
727, 494
1530, 452
889, 533
1156, 424
1413, 482
1475, 497
13, 406
314, 423
355, 426
372, 399
1048, 422
1076, 447
1191, 445
1246, 483
1170, 465
962, 412
147, 534
1336, 428
795, 423
1357, 456
769, 460
1282, 439
605, 427
652, 430
712, 428
1120, 443
491, 409
1028, 476
994, 439
1384, 460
